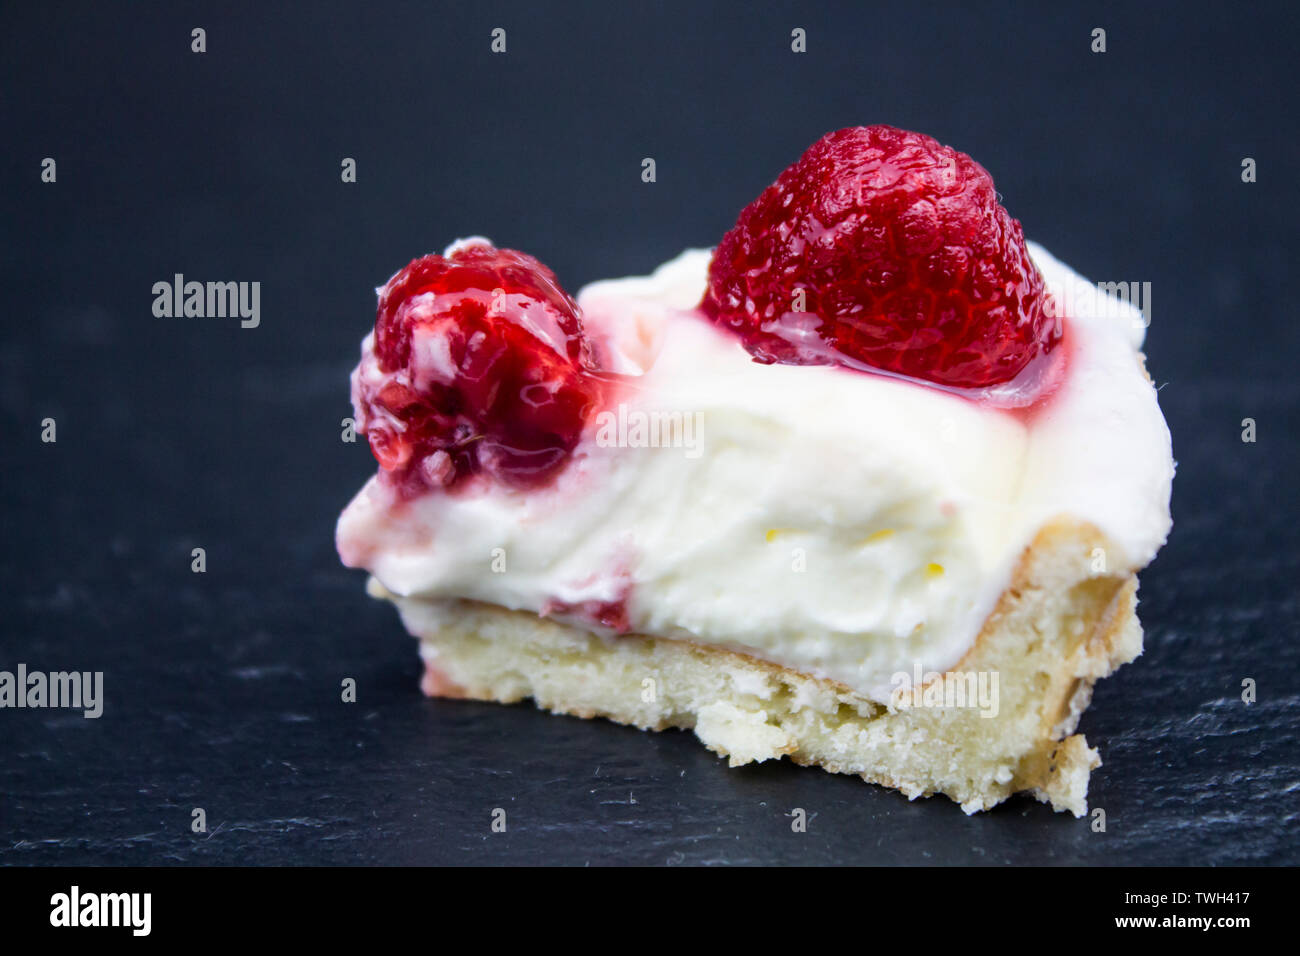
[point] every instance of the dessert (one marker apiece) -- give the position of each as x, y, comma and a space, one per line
867, 486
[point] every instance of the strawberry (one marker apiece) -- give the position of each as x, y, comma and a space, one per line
480, 364
883, 249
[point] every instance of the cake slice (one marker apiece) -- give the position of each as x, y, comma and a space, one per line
867, 486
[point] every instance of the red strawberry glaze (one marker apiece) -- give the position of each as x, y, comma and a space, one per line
881, 249
611, 614
608, 614
1032, 394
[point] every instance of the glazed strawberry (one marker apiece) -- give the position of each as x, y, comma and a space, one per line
883, 248
479, 364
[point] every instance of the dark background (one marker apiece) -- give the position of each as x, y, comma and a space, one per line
223, 688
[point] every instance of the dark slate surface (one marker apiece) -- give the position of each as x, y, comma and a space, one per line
223, 688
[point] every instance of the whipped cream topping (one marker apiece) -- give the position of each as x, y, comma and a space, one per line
850, 525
